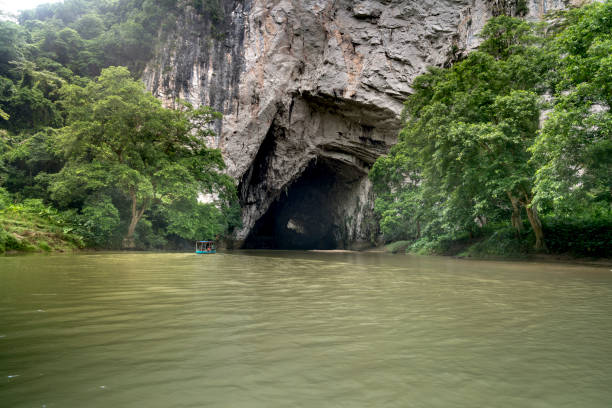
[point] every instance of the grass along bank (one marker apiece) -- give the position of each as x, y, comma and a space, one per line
33, 227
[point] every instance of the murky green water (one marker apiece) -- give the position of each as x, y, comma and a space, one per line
266, 329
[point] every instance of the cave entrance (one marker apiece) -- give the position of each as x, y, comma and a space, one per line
309, 214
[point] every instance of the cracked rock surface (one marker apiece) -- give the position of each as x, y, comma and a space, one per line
302, 82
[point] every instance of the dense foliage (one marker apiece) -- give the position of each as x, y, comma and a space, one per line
82, 138
521, 127
30, 225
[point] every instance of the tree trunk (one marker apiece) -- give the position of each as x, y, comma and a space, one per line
128, 241
536, 225
517, 222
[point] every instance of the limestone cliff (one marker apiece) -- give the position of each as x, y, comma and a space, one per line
312, 92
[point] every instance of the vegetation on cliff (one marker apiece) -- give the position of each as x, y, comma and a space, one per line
87, 156
521, 127
506, 152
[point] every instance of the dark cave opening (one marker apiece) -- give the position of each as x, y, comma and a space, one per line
308, 214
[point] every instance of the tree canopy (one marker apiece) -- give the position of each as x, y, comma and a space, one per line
119, 140
574, 148
78, 132
473, 150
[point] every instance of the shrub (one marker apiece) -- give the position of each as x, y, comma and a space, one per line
588, 236
98, 222
503, 242
44, 246
5, 199
398, 246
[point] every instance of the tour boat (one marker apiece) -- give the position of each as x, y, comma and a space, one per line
205, 247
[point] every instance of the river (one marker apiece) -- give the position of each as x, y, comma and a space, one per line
302, 329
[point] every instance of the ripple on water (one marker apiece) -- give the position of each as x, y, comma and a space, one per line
256, 329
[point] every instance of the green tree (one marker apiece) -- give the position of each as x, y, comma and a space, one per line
26, 156
12, 44
574, 149
90, 26
120, 137
463, 158
504, 36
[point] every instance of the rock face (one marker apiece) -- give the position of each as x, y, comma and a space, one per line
312, 92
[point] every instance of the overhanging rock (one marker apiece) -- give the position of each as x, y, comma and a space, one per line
312, 92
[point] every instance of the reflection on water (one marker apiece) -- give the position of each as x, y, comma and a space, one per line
298, 329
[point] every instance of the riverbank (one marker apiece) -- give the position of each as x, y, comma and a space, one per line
501, 245
27, 229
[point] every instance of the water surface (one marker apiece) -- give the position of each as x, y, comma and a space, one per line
299, 329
